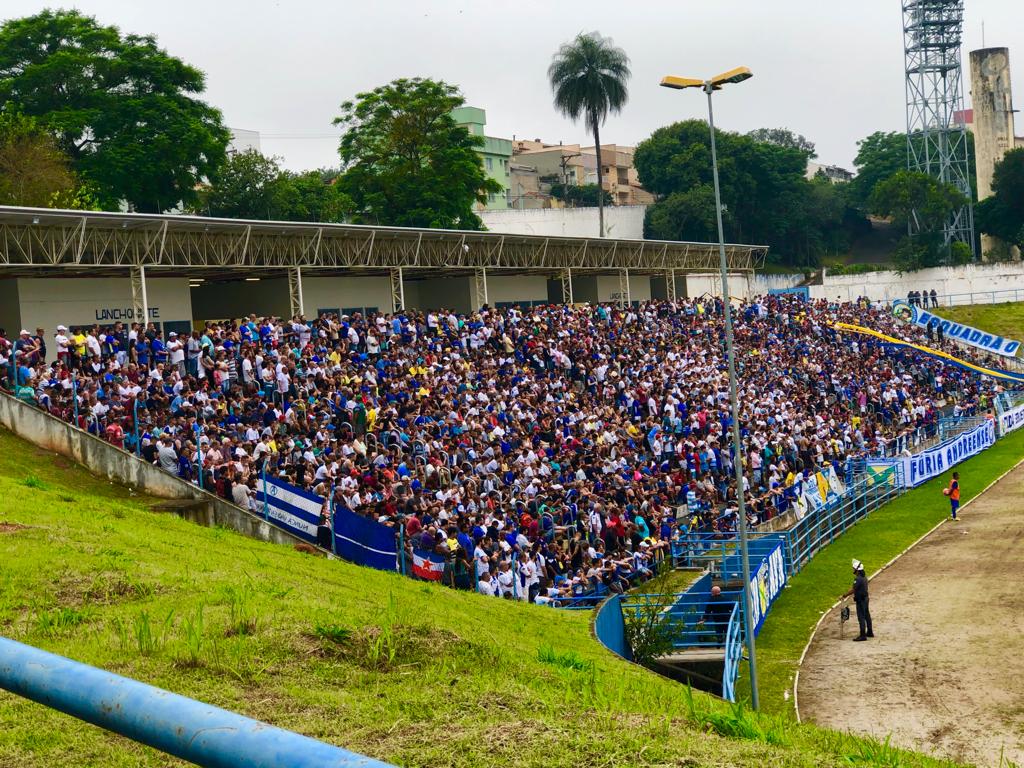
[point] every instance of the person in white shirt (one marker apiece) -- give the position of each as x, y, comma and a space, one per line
485, 586
62, 342
176, 352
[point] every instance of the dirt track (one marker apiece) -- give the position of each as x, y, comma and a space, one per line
945, 672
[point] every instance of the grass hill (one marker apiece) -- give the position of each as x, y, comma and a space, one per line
406, 672
1006, 319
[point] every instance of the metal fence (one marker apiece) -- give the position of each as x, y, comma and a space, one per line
978, 297
821, 527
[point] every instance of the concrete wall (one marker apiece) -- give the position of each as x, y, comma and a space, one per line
88, 301
608, 288
516, 288
10, 309
344, 293
621, 221
990, 283
993, 112
740, 284
455, 293
238, 298
103, 459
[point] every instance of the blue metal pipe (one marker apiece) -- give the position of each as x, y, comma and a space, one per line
200, 733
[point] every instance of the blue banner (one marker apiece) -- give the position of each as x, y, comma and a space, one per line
364, 541
766, 583
292, 508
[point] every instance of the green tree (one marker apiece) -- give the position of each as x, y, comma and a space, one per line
33, 170
253, 186
908, 193
783, 137
582, 195
249, 185
588, 77
1002, 214
315, 196
404, 160
124, 111
881, 155
686, 215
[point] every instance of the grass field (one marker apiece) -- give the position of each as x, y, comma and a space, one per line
1006, 320
875, 540
406, 672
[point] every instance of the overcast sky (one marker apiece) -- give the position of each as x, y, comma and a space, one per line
829, 70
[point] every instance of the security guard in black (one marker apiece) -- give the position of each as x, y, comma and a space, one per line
859, 591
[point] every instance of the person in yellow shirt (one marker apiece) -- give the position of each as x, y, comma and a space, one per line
78, 343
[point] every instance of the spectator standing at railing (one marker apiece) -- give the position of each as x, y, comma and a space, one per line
717, 613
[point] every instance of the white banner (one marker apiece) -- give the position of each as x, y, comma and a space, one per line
933, 462
951, 330
1011, 419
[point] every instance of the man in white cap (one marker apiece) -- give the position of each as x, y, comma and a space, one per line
859, 591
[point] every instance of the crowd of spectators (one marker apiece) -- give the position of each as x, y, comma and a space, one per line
545, 452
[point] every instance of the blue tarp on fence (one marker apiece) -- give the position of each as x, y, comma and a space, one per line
356, 538
364, 541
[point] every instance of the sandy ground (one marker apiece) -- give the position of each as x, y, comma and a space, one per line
945, 671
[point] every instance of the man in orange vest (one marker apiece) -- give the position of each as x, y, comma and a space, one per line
953, 492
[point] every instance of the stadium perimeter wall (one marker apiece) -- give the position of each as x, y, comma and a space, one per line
978, 279
103, 459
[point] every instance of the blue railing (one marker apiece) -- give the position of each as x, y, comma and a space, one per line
822, 526
200, 733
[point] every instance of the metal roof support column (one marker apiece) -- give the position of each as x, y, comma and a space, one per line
670, 285
398, 288
140, 302
479, 287
624, 299
566, 277
295, 291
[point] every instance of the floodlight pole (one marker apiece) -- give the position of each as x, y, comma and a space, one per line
737, 450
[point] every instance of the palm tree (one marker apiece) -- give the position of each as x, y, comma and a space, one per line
588, 77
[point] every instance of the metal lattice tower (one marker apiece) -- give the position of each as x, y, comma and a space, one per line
936, 141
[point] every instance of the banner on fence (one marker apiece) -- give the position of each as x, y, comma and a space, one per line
356, 538
837, 486
427, 565
292, 508
934, 461
965, 333
766, 584
364, 541
1011, 420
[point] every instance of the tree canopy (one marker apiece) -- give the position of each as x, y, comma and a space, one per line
33, 170
784, 137
404, 160
908, 193
588, 79
581, 195
253, 186
766, 196
1002, 214
125, 112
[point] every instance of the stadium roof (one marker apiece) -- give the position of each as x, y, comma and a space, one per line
37, 241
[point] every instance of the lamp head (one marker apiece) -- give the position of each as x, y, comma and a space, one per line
679, 83
731, 77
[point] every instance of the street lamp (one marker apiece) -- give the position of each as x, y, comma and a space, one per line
737, 75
